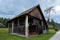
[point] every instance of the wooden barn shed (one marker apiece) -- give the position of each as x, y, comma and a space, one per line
30, 22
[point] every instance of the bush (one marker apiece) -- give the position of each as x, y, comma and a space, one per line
56, 29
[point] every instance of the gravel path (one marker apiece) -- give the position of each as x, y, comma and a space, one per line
56, 36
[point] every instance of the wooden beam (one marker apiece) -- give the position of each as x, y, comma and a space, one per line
18, 22
18, 25
42, 23
12, 26
44, 30
8, 28
26, 26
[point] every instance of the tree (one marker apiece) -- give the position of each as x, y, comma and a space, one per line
53, 23
48, 12
4, 21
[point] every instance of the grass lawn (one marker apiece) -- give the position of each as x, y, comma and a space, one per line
4, 35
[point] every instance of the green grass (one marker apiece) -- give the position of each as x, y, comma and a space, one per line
44, 36
4, 35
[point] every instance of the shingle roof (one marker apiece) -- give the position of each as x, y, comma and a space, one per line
25, 12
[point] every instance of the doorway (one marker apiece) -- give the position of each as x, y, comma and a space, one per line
33, 30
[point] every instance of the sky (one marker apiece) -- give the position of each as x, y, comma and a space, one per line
12, 8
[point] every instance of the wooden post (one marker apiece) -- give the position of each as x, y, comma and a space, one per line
18, 25
42, 23
44, 30
42, 27
18, 22
12, 26
26, 26
8, 28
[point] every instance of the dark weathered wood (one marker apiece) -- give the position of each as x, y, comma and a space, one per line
10, 27
36, 13
36, 21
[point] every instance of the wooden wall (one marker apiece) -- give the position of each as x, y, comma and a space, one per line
36, 13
